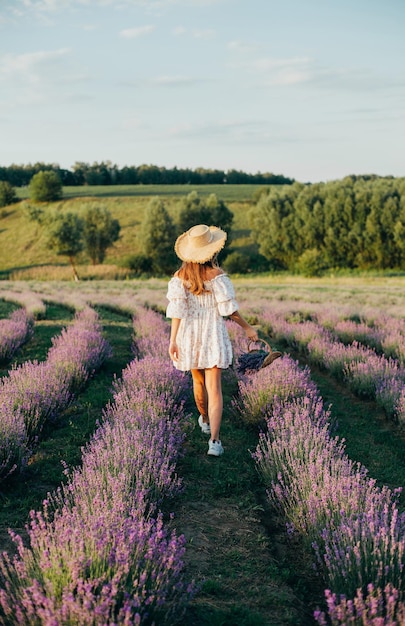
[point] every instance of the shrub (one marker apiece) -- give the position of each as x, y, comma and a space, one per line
311, 263
237, 263
100, 231
7, 193
45, 187
138, 263
33, 213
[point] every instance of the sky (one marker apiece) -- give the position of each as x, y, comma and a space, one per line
310, 89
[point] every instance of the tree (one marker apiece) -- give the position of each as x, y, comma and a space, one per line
45, 187
139, 264
100, 231
65, 236
193, 211
273, 224
237, 263
211, 211
157, 237
7, 193
220, 215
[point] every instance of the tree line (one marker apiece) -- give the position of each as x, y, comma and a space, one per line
356, 222
107, 173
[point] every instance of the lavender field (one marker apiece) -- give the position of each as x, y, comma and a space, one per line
301, 522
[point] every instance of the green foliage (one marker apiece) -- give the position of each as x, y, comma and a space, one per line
311, 262
33, 212
352, 223
139, 264
100, 231
108, 173
45, 186
237, 263
157, 237
64, 235
193, 211
273, 238
212, 211
259, 192
7, 194
272, 223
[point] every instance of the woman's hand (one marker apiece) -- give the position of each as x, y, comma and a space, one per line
251, 333
173, 351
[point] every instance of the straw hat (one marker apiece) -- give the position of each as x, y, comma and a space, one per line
200, 243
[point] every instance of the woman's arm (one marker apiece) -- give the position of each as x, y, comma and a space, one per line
173, 349
251, 333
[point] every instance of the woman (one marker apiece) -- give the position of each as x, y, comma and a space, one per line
200, 294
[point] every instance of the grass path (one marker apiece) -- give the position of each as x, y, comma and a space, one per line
236, 547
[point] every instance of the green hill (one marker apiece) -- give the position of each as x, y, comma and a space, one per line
23, 248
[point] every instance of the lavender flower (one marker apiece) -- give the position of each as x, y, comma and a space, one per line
37, 392
367, 546
99, 553
14, 332
376, 607
257, 392
151, 334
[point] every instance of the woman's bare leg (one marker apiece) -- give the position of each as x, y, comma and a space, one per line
215, 402
200, 393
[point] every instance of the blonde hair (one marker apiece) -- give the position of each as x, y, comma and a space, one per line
195, 274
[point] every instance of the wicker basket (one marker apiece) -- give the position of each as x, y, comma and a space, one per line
255, 358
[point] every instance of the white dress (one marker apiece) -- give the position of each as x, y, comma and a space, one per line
202, 337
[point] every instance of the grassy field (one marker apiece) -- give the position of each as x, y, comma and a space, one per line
24, 253
227, 193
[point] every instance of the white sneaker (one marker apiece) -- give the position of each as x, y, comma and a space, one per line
215, 448
204, 426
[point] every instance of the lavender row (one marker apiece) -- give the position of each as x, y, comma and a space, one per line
15, 330
151, 334
352, 527
370, 327
29, 300
37, 392
382, 332
100, 552
366, 373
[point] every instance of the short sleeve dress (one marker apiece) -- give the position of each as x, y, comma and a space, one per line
202, 337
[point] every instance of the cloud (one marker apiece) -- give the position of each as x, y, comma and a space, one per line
236, 131
133, 122
241, 46
21, 7
172, 81
138, 31
89, 27
31, 66
164, 81
42, 77
207, 33
281, 71
272, 71
179, 30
